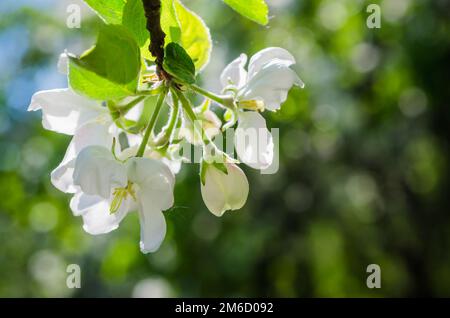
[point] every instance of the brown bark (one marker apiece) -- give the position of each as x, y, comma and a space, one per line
152, 10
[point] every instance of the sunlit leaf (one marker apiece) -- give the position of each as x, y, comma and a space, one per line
195, 36
169, 22
110, 69
90, 84
109, 10
134, 20
255, 10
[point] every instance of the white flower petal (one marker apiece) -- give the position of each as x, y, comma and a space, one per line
253, 141
271, 84
210, 122
222, 192
235, 72
267, 55
96, 215
134, 141
153, 228
81, 203
89, 134
97, 172
93, 134
136, 112
63, 63
154, 189
62, 176
64, 111
155, 182
174, 164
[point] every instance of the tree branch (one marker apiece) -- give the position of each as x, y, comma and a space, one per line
152, 10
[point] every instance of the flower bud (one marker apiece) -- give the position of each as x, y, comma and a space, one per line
209, 122
224, 189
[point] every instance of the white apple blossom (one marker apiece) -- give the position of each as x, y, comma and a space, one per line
89, 123
98, 181
110, 189
268, 80
224, 191
209, 122
264, 86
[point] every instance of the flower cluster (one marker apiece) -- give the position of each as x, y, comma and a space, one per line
116, 163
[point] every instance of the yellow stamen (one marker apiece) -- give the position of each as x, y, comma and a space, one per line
150, 78
119, 195
255, 105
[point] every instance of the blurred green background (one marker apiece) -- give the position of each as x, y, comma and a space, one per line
364, 167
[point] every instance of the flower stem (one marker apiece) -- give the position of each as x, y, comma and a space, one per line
151, 123
173, 115
208, 94
166, 134
126, 108
151, 92
187, 107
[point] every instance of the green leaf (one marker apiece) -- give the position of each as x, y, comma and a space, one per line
91, 85
169, 22
134, 20
195, 36
109, 10
127, 125
109, 70
179, 64
255, 10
